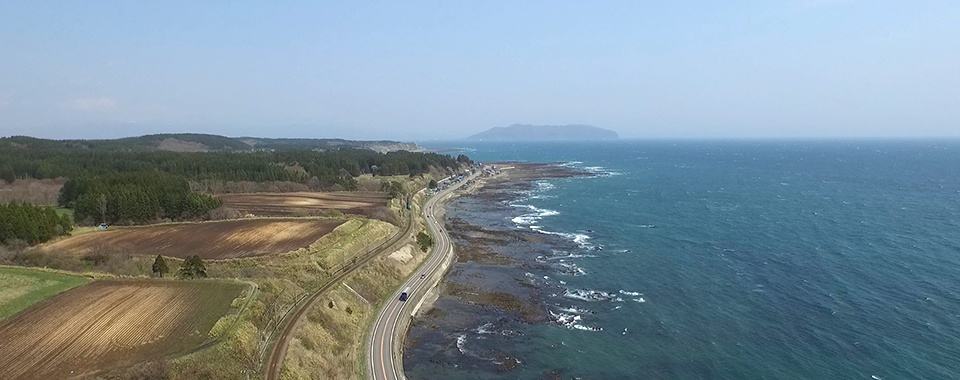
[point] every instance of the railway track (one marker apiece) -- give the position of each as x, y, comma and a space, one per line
278, 351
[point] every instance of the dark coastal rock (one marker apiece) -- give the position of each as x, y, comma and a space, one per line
489, 297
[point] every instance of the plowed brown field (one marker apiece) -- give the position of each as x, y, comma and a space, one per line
306, 203
109, 324
211, 240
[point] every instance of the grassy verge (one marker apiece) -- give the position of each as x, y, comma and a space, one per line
282, 280
329, 342
22, 287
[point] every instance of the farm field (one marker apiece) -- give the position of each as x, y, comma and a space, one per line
22, 287
210, 240
111, 323
307, 203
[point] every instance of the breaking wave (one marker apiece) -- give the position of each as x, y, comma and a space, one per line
462, 343
486, 328
601, 171
572, 321
532, 217
582, 240
597, 171
571, 269
590, 295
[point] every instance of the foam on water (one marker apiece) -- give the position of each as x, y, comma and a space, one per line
532, 217
591, 295
462, 343
582, 240
486, 328
572, 321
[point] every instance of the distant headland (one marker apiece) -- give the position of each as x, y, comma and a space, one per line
525, 132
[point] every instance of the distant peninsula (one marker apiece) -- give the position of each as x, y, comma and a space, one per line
525, 132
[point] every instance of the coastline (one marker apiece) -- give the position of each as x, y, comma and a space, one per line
489, 285
432, 293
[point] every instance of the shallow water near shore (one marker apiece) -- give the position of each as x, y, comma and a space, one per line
690, 260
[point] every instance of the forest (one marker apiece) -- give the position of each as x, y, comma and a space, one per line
129, 181
325, 169
133, 198
31, 224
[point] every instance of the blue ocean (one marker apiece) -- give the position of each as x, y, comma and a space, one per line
740, 260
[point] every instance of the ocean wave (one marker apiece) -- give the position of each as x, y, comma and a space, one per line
597, 171
486, 328
637, 296
564, 318
537, 192
568, 256
462, 347
582, 240
532, 217
544, 186
572, 321
542, 196
462, 343
571, 269
590, 295
601, 171
578, 326
524, 220
574, 310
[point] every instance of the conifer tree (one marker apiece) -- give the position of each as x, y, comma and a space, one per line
160, 266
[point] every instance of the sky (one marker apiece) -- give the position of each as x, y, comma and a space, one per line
424, 70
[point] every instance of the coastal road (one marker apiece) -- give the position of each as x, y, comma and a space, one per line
385, 360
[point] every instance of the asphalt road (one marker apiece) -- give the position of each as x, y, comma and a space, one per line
385, 359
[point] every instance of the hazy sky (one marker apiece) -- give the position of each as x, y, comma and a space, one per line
446, 69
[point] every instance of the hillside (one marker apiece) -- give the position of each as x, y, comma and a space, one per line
196, 142
381, 146
524, 132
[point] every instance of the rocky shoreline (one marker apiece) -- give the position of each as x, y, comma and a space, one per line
489, 298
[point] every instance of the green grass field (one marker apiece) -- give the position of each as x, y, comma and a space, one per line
64, 211
22, 287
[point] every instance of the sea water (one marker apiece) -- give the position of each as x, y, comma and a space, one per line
741, 260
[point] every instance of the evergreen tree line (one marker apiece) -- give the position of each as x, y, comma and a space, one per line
134, 198
31, 224
327, 168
